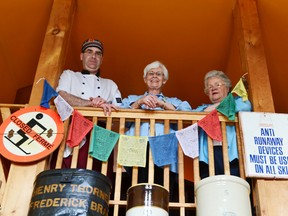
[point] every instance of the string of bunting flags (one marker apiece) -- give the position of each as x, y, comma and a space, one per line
132, 149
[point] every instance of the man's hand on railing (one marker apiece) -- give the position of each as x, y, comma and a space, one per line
107, 108
97, 102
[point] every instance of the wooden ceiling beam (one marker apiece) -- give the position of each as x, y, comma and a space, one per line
252, 53
253, 60
54, 49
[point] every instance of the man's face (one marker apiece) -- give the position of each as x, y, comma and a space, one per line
91, 59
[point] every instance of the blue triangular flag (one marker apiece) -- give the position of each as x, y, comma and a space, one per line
48, 93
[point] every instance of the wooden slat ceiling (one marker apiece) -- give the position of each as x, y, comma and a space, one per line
189, 37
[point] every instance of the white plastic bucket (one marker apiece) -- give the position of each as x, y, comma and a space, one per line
223, 195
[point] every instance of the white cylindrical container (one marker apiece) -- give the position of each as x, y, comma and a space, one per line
223, 195
147, 200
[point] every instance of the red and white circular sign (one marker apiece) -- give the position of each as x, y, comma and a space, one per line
30, 134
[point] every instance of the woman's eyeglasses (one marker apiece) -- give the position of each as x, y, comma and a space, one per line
215, 86
157, 73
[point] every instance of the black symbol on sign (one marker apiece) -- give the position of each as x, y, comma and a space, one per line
32, 123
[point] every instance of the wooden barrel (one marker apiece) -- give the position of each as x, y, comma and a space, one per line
147, 199
70, 192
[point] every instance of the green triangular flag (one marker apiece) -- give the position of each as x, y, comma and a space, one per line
227, 107
102, 143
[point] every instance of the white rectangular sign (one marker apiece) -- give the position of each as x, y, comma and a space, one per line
265, 137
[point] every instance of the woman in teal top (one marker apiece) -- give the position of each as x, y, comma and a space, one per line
155, 76
217, 86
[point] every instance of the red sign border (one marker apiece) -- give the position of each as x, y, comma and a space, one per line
60, 134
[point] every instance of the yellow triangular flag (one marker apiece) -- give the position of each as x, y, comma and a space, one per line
240, 90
